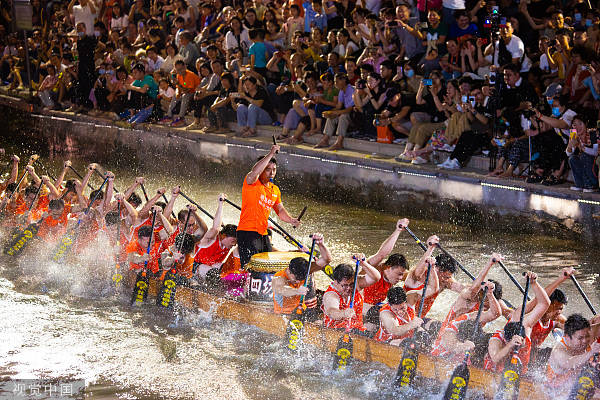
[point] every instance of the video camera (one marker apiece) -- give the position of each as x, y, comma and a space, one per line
493, 23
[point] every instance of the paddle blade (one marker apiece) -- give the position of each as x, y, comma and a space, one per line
511, 379
408, 365
21, 240
459, 382
117, 277
64, 247
140, 289
328, 270
166, 294
295, 330
343, 353
588, 380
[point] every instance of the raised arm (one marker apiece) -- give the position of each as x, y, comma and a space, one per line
476, 285
14, 173
171, 203
130, 209
260, 166
164, 220
542, 302
388, 244
61, 176
110, 187
146, 209
91, 168
31, 171
418, 272
372, 275
494, 311
564, 274
54, 193
212, 233
138, 181
325, 257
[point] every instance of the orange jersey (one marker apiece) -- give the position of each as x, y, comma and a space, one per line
523, 354
356, 322
50, 229
286, 304
377, 293
438, 349
212, 254
134, 247
257, 202
185, 269
383, 335
148, 222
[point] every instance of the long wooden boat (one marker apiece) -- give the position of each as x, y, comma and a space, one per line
365, 349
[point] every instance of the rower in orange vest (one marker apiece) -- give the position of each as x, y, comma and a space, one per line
397, 320
288, 284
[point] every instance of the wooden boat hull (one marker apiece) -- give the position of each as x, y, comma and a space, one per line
365, 349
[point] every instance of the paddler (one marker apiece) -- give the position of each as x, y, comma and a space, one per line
14, 173
259, 196
397, 320
336, 300
580, 342
54, 222
288, 284
505, 341
552, 319
212, 249
136, 252
392, 270
454, 340
183, 261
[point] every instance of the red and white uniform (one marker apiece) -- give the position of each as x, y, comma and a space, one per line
356, 322
523, 354
540, 332
377, 292
211, 256
428, 303
383, 335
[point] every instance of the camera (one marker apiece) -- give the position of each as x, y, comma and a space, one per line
529, 113
427, 82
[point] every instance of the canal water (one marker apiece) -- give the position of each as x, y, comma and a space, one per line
58, 323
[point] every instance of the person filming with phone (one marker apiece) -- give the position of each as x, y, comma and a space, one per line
582, 151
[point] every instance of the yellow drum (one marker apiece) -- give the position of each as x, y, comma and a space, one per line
261, 268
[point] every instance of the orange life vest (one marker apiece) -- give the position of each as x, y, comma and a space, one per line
212, 254
377, 292
428, 303
134, 247
523, 354
285, 304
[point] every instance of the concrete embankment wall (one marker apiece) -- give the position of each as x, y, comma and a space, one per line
470, 199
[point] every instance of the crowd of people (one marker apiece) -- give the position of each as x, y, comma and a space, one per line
516, 79
387, 297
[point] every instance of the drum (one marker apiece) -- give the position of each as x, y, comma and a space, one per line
262, 267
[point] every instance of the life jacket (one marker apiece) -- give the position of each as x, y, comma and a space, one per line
231, 265
286, 304
212, 254
382, 334
356, 322
539, 333
523, 354
377, 292
148, 221
185, 269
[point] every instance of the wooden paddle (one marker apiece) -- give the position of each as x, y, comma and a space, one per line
295, 328
24, 237
166, 294
459, 381
301, 214
588, 380
117, 277
144, 191
140, 289
345, 346
511, 376
209, 215
410, 355
67, 241
512, 278
81, 176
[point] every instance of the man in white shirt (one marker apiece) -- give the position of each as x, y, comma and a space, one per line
84, 12
515, 47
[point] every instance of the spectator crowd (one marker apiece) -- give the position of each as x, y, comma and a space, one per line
518, 80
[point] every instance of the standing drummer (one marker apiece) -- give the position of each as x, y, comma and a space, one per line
259, 196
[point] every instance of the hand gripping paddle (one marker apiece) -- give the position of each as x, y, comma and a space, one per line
295, 328
117, 277
410, 355
345, 347
511, 376
459, 381
24, 237
166, 294
140, 289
